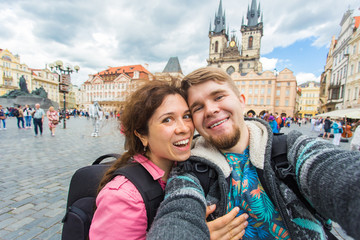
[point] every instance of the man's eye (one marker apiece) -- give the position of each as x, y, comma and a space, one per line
219, 97
195, 109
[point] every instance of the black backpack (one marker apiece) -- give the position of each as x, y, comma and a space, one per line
16, 112
82, 195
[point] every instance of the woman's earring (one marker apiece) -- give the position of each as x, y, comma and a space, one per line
145, 148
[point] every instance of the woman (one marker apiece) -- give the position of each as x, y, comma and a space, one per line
3, 117
337, 127
27, 116
355, 141
53, 118
158, 127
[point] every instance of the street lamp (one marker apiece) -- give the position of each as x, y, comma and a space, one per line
64, 79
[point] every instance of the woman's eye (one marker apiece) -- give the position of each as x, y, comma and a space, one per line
187, 116
166, 120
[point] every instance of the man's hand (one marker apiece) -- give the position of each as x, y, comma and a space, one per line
228, 226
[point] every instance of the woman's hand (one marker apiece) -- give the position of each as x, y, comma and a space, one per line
228, 226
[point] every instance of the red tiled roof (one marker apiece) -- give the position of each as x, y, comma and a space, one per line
357, 21
128, 70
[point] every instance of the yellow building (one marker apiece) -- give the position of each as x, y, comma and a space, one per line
46, 79
10, 72
309, 100
268, 91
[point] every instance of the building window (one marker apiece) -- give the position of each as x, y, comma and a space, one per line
286, 103
268, 101
261, 101
269, 82
249, 101
250, 82
288, 83
262, 91
243, 82
255, 101
269, 91
351, 69
216, 46
251, 42
250, 90
358, 67
278, 84
277, 102
355, 93
256, 91
277, 92
263, 82
243, 91
287, 92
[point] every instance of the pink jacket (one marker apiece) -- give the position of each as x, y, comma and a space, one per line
121, 212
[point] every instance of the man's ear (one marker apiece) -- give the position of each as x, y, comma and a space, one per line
242, 99
142, 138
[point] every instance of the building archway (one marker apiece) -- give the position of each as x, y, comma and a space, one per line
250, 113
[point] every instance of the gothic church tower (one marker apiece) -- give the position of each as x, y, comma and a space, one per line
251, 39
227, 53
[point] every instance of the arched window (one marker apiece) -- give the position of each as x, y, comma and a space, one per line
230, 70
251, 42
216, 46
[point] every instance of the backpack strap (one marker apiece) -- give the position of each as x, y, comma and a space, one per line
150, 189
204, 173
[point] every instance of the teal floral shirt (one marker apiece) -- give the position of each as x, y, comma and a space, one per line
247, 193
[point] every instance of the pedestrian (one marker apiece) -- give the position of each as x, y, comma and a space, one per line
313, 121
337, 128
327, 128
2, 117
157, 123
238, 151
38, 119
53, 119
19, 114
273, 124
27, 116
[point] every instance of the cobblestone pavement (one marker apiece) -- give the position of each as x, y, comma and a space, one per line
36, 172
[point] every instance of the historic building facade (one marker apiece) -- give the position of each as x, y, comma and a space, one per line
326, 78
352, 99
111, 87
227, 53
309, 104
46, 79
340, 67
10, 72
264, 91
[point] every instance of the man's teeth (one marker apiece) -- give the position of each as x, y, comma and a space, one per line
182, 142
218, 123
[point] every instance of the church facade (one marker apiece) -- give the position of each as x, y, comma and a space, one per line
269, 91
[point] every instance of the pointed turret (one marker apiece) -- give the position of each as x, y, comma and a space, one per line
219, 21
253, 14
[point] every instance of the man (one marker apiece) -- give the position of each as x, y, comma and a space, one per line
278, 120
38, 115
327, 128
274, 210
19, 114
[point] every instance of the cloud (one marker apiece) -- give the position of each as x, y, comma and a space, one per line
305, 77
97, 34
268, 63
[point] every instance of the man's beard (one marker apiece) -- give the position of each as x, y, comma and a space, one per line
228, 141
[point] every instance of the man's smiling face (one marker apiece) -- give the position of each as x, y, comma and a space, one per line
217, 113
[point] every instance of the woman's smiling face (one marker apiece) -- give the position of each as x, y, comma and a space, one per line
170, 131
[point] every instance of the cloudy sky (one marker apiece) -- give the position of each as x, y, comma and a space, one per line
96, 34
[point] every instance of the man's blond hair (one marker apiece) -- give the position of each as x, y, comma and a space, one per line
205, 74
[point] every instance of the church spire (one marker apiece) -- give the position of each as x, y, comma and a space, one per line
253, 14
219, 21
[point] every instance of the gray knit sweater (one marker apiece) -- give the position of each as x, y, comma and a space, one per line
328, 177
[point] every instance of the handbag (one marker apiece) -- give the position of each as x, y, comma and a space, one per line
55, 122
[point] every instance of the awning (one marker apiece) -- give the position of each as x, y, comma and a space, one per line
353, 113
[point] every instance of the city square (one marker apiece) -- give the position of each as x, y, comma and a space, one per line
36, 172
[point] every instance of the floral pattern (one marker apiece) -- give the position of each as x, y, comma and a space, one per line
247, 193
